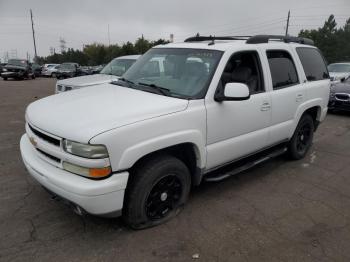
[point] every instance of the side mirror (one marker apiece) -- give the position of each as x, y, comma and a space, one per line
233, 92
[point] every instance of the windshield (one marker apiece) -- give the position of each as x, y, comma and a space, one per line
117, 67
183, 72
339, 68
17, 62
67, 66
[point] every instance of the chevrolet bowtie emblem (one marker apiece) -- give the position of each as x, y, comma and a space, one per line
32, 140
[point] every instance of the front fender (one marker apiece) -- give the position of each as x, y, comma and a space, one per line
137, 151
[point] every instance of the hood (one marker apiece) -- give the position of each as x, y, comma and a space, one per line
338, 76
81, 114
341, 87
88, 80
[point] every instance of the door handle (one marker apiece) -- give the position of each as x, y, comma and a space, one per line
265, 106
299, 97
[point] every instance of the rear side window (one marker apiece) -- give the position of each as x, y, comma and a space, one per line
313, 63
283, 71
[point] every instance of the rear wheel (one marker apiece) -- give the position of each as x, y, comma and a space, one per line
157, 191
5, 78
53, 75
302, 138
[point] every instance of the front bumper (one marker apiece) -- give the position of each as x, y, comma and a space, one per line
12, 74
339, 105
98, 197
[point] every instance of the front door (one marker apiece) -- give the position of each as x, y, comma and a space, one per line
238, 128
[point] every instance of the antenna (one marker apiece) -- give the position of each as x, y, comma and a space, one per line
287, 27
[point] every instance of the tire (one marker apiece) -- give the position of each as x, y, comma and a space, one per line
33, 76
302, 138
157, 191
5, 78
53, 75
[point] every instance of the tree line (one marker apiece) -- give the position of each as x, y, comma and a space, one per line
333, 41
98, 54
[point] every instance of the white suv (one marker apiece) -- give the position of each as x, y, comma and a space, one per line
219, 105
112, 71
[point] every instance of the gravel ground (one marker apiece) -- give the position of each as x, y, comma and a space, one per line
279, 211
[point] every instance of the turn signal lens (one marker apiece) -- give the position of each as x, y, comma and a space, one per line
87, 172
100, 172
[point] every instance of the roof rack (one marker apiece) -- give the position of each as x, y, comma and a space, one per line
261, 39
199, 38
257, 39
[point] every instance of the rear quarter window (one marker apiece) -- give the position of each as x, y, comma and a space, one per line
313, 63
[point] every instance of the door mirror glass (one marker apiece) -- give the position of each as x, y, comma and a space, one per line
233, 92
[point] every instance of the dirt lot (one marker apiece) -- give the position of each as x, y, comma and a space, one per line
279, 211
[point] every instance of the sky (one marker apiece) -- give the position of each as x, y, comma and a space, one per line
87, 21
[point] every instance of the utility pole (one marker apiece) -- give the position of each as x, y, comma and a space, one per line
31, 18
287, 27
109, 37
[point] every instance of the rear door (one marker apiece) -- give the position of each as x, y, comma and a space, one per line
287, 93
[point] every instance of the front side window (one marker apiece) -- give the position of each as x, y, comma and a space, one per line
117, 67
313, 63
244, 67
182, 72
283, 71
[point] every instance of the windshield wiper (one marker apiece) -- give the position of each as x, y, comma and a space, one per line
159, 89
122, 79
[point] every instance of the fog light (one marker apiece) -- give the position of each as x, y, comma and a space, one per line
87, 172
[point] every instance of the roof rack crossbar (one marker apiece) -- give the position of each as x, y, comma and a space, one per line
213, 38
262, 39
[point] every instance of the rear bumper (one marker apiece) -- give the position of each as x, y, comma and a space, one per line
98, 197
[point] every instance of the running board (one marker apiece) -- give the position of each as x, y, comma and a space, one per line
240, 167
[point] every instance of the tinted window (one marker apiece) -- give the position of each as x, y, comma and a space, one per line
283, 71
313, 63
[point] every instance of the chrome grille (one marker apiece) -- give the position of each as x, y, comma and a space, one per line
342, 97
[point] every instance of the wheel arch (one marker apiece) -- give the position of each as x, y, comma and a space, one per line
187, 152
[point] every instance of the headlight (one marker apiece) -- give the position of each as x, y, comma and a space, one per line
85, 150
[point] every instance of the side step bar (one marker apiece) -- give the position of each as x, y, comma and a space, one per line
242, 165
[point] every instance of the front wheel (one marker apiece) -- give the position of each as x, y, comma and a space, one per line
302, 138
157, 191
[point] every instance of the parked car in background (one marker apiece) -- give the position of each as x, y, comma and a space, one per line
50, 71
68, 70
36, 69
109, 73
97, 69
339, 98
135, 147
339, 71
17, 69
86, 70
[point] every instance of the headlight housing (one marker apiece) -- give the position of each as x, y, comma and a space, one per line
85, 150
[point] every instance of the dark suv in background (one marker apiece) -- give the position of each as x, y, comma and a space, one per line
17, 69
67, 70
